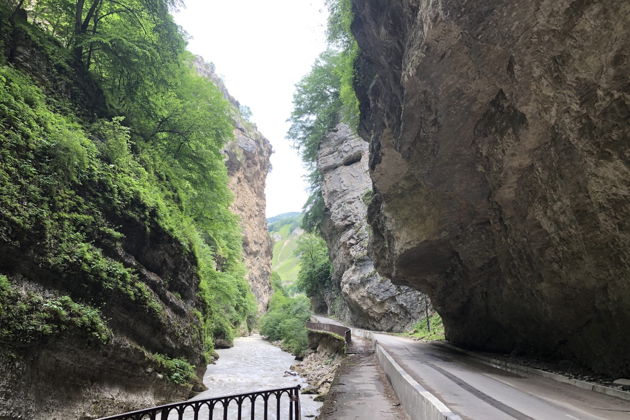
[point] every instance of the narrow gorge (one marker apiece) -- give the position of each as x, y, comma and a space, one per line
447, 216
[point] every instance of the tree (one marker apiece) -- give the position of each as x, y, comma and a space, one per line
323, 98
86, 26
315, 268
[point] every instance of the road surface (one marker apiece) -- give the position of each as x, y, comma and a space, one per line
476, 391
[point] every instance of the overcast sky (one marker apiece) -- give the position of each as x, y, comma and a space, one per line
261, 49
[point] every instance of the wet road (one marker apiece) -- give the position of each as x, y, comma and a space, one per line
476, 391
252, 364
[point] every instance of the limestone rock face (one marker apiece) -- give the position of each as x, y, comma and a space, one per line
248, 163
499, 156
366, 300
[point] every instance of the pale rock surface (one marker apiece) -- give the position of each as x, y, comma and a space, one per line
248, 163
367, 299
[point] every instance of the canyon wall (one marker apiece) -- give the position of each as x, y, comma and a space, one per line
499, 157
101, 309
248, 163
96, 295
359, 294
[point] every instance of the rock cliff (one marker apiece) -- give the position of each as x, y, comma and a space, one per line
248, 163
367, 299
499, 156
86, 318
101, 301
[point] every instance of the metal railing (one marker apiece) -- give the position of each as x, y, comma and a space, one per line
245, 404
345, 332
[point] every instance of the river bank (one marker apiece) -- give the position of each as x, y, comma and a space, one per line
254, 364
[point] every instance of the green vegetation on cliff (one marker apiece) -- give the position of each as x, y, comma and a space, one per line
113, 192
324, 98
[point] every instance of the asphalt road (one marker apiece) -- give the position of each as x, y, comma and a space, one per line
477, 391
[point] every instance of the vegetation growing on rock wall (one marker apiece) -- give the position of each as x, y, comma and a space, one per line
177, 370
323, 98
28, 318
81, 181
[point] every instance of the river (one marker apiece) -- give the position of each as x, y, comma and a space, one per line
253, 364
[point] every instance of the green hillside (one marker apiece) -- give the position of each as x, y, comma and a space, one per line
285, 231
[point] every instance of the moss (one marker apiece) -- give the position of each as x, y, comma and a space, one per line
28, 318
367, 197
46, 156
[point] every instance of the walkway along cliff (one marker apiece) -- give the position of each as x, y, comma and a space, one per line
499, 157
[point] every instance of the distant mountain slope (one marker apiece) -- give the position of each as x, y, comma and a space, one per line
285, 231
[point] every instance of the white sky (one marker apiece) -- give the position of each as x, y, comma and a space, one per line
261, 49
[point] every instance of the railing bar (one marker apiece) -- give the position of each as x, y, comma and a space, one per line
290, 407
162, 412
177, 404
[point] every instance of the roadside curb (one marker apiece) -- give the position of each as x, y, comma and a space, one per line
516, 368
415, 399
413, 396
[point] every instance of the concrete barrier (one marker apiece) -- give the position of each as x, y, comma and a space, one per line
418, 402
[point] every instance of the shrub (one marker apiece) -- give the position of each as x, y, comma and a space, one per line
286, 320
28, 318
176, 370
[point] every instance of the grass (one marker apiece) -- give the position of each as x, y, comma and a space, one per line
285, 263
421, 331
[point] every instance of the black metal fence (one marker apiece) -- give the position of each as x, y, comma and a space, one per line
336, 329
241, 407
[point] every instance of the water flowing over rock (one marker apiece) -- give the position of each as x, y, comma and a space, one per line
367, 299
248, 163
499, 156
